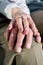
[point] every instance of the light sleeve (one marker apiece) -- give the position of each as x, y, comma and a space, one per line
20, 4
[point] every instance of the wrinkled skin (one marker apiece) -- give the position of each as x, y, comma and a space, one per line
20, 26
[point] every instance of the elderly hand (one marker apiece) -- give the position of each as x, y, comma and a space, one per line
20, 26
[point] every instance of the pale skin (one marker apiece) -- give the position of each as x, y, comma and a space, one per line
20, 26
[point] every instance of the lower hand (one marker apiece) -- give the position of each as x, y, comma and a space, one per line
26, 26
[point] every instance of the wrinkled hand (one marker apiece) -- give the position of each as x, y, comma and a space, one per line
20, 26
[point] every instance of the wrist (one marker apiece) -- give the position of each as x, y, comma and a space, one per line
14, 11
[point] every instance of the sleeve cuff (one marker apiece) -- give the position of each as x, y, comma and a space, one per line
22, 6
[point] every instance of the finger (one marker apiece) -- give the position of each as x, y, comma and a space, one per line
32, 25
12, 22
34, 29
7, 34
9, 28
12, 39
29, 39
19, 24
26, 25
38, 37
20, 38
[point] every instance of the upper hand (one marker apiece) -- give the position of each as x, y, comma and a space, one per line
24, 23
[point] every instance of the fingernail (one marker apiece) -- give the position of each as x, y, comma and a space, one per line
10, 27
10, 48
28, 46
38, 39
18, 50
